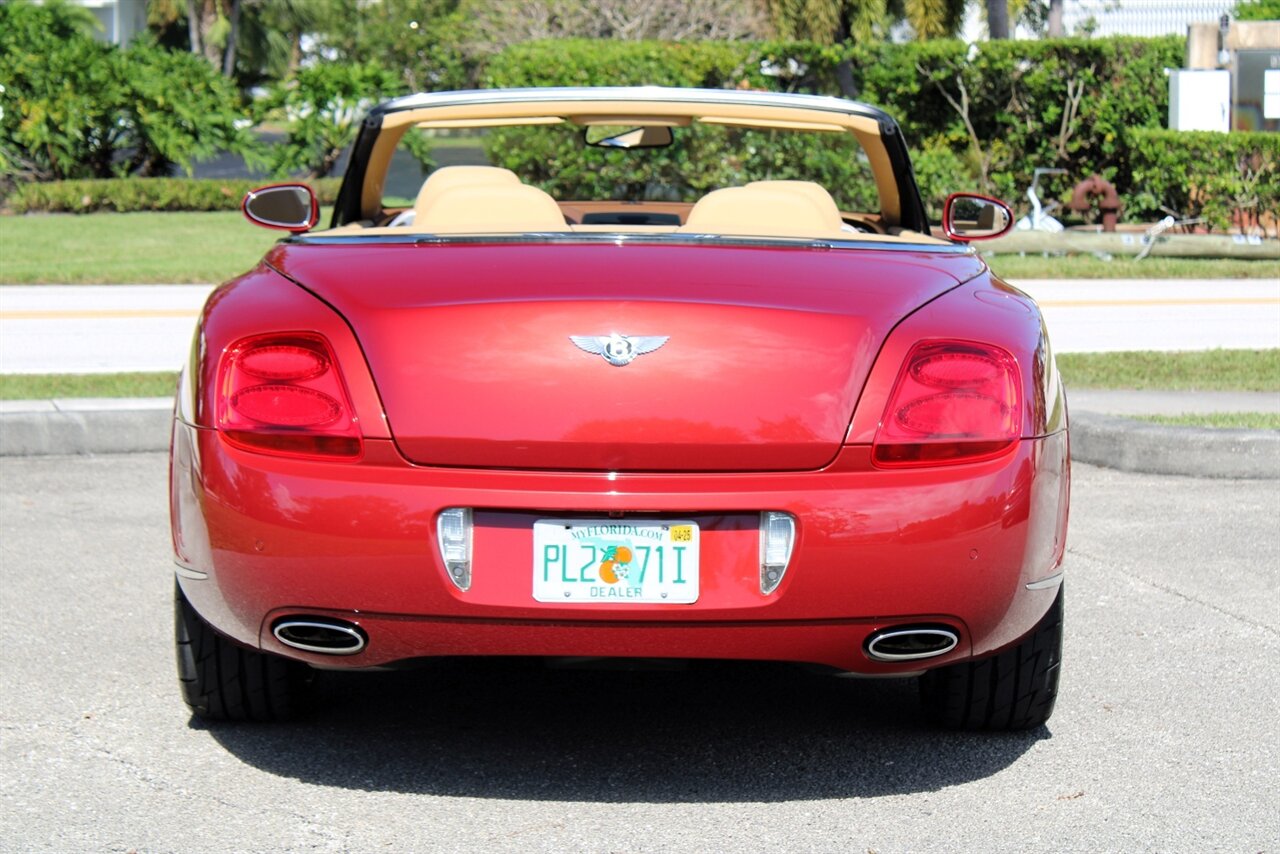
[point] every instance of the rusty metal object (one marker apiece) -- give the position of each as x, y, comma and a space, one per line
1109, 205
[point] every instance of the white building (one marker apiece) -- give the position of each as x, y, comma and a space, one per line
119, 20
1116, 17
1140, 17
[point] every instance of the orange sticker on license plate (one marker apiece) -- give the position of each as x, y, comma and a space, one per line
607, 561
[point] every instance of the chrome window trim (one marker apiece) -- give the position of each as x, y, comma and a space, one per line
622, 237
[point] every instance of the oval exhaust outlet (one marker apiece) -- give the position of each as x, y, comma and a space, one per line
320, 634
910, 643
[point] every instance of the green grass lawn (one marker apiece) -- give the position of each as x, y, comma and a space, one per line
49, 386
1208, 370
1014, 267
142, 248
1234, 420
146, 248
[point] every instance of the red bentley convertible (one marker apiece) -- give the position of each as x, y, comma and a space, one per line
725, 412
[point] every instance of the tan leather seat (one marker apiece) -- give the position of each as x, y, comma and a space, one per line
815, 193
450, 177
488, 208
765, 210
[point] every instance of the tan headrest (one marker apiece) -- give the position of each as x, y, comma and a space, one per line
449, 177
815, 193
490, 208
763, 211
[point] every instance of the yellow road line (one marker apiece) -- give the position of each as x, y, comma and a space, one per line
100, 314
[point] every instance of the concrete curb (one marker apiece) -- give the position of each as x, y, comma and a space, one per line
84, 427
37, 428
1139, 446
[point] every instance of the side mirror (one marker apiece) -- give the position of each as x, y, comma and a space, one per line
968, 216
290, 207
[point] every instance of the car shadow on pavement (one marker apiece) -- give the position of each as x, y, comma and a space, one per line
715, 732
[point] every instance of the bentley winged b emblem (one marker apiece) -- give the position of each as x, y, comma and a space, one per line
619, 350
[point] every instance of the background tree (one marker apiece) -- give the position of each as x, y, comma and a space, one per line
931, 19
495, 24
419, 40
998, 18
75, 107
1056, 28
323, 106
829, 21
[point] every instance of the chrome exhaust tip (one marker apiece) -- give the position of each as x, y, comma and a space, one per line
910, 643
320, 634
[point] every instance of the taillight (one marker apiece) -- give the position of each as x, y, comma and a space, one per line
284, 394
954, 401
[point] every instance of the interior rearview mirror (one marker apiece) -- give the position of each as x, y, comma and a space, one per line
620, 136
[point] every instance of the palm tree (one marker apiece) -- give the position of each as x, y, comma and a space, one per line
998, 18
828, 21
932, 19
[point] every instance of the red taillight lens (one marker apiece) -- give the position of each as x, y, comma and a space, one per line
284, 394
954, 401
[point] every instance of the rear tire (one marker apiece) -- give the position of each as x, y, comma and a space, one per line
1011, 690
224, 681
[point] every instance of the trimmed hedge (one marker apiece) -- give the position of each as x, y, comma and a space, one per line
1060, 103
127, 195
704, 158
1226, 178
1063, 103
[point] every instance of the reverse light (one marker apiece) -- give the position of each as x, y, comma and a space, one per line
953, 402
777, 539
453, 534
284, 394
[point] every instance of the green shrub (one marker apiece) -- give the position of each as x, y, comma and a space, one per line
127, 195
1054, 103
72, 107
323, 106
1226, 178
703, 158
979, 118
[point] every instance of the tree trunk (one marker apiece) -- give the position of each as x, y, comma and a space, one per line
1056, 28
193, 27
202, 16
229, 55
998, 18
295, 53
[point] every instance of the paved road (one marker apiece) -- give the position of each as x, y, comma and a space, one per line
1164, 737
148, 328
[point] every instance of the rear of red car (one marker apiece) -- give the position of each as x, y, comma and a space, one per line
847, 457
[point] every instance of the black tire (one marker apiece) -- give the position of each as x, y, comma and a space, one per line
1011, 690
224, 681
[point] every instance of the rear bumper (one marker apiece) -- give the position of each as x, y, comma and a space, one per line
258, 538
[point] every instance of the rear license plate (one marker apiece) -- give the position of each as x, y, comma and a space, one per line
601, 560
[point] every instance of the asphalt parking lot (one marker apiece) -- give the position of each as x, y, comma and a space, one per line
1164, 737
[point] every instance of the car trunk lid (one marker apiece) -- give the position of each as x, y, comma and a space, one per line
763, 351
